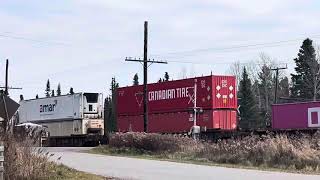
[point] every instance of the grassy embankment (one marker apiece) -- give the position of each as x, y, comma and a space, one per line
24, 162
300, 153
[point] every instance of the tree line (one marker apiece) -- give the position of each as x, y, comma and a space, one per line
165, 78
256, 90
51, 92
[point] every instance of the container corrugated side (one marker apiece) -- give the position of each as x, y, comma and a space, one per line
296, 115
166, 96
66, 107
225, 119
224, 92
178, 122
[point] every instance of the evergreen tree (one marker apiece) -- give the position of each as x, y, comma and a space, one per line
52, 93
136, 79
37, 96
59, 90
71, 91
248, 109
305, 83
105, 111
166, 76
48, 89
111, 111
107, 115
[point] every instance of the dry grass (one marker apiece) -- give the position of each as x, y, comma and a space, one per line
300, 152
24, 162
152, 142
63, 172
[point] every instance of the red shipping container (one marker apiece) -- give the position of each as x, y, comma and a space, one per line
169, 105
296, 115
179, 122
212, 92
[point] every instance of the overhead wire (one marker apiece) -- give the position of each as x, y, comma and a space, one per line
267, 44
177, 54
4, 35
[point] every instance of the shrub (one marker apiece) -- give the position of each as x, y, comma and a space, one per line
22, 161
300, 152
151, 142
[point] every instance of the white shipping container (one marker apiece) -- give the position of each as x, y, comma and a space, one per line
80, 113
66, 107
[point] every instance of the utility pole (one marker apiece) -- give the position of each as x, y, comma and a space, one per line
6, 86
7, 71
276, 88
145, 62
145, 77
9, 107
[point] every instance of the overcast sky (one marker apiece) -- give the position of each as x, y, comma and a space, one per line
83, 43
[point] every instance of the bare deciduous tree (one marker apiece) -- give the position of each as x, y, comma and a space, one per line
236, 70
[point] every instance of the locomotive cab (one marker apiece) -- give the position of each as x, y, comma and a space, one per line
93, 113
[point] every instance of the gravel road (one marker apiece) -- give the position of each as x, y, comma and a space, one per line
132, 168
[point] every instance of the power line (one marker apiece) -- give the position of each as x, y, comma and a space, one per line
33, 40
222, 51
222, 63
268, 44
194, 51
197, 50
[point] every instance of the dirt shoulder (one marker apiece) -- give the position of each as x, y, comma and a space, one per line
62, 172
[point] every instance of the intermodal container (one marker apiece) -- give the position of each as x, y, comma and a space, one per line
170, 104
213, 92
66, 115
178, 122
304, 115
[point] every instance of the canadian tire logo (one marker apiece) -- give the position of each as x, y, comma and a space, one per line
139, 98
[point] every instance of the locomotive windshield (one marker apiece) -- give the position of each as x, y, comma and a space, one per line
91, 97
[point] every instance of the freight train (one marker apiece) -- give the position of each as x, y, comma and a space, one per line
171, 106
70, 120
78, 119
